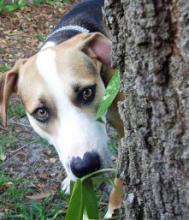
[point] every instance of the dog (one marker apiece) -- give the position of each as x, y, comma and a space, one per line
61, 87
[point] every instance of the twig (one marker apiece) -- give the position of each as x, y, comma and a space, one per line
20, 124
15, 153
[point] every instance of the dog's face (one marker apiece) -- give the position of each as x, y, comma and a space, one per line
61, 88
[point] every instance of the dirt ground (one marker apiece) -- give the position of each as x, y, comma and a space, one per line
25, 154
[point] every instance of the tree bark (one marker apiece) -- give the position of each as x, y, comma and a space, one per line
151, 47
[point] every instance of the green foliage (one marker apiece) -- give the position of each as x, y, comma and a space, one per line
75, 209
16, 110
3, 179
14, 190
17, 5
83, 203
13, 194
7, 141
89, 196
11, 7
110, 94
41, 37
4, 67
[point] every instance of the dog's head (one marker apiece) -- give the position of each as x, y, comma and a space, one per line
61, 88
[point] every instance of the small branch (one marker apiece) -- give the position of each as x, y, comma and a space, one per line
15, 153
20, 124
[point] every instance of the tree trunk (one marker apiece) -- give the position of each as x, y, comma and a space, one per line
151, 46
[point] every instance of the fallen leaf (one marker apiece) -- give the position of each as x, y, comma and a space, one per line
44, 176
3, 157
53, 160
48, 152
40, 196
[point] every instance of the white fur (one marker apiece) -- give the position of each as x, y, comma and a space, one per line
66, 185
48, 44
78, 132
109, 214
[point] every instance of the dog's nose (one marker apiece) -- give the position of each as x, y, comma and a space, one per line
89, 163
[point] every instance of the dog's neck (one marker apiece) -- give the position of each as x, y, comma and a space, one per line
63, 33
78, 28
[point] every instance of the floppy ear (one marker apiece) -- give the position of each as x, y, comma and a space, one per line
8, 85
97, 46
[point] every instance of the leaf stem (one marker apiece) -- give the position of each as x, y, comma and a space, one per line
98, 172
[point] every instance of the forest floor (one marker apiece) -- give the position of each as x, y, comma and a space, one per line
30, 171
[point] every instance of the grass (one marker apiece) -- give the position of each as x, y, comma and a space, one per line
41, 37
16, 110
14, 194
18, 206
19, 4
8, 140
4, 68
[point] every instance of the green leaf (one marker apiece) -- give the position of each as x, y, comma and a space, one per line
105, 170
4, 68
11, 8
83, 202
76, 206
110, 94
2, 5
22, 3
90, 200
39, 1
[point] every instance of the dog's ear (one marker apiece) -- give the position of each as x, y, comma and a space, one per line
8, 85
97, 46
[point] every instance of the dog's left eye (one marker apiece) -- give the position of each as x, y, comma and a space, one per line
41, 114
87, 94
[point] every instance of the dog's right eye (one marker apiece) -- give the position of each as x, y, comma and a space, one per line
41, 114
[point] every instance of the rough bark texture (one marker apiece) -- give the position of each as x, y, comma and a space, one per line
151, 45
